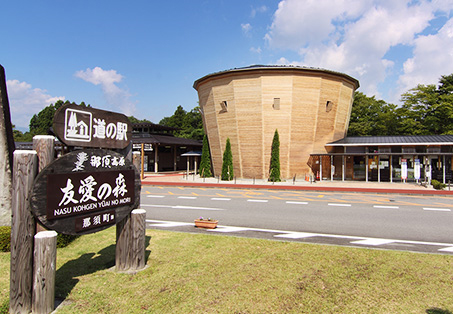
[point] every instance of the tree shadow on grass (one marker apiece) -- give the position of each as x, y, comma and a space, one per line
67, 275
435, 310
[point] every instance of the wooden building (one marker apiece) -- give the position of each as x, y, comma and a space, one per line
309, 108
162, 150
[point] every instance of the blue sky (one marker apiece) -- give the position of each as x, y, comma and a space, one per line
142, 57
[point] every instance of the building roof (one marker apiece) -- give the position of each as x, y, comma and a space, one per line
164, 140
259, 67
153, 126
410, 140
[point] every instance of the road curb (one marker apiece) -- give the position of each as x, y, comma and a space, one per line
300, 188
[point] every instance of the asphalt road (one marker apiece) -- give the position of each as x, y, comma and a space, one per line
404, 222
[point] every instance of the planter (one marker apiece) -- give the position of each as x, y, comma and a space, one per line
207, 224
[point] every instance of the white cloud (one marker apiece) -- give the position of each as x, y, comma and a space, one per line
354, 36
256, 10
433, 56
25, 101
256, 50
118, 99
246, 28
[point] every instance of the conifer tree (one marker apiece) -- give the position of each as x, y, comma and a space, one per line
205, 164
227, 166
274, 171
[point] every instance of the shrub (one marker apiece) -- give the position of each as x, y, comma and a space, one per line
5, 238
438, 185
227, 166
205, 164
63, 240
274, 172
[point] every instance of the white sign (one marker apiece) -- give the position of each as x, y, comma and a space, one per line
417, 169
404, 169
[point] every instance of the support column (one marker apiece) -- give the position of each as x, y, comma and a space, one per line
156, 155
320, 168
332, 170
342, 168
366, 168
188, 166
391, 168
174, 158
443, 169
378, 169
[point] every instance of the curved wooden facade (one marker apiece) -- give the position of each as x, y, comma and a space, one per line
309, 108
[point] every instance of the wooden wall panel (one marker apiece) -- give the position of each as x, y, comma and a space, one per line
303, 122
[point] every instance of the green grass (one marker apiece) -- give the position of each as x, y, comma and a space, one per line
193, 273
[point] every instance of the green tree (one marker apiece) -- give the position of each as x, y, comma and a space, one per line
428, 109
227, 165
372, 117
205, 164
41, 123
134, 120
189, 124
274, 172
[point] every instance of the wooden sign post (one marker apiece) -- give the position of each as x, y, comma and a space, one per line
6, 153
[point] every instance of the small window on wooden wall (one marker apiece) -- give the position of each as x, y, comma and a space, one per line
224, 107
329, 106
276, 104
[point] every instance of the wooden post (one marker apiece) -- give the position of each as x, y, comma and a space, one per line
138, 225
44, 145
123, 244
136, 160
142, 169
44, 272
6, 153
25, 165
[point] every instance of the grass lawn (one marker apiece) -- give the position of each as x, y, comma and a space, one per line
193, 273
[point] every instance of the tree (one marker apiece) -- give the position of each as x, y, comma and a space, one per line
372, 117
274, 172
205, 164
189, 124
428, 109
227, 165
41, 123
134, 120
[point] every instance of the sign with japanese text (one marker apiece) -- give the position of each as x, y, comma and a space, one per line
403, 169
81, 126
85, 191
417, 169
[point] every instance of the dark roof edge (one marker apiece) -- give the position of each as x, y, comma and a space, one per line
399, 140
274, 68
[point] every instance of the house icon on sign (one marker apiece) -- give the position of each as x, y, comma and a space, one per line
77, 125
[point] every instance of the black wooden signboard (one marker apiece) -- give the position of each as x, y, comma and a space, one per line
85, 191
81, 126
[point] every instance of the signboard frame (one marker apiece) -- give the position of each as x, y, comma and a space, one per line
90, 177
80, 126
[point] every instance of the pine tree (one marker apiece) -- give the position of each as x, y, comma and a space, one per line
205, 164
274, 171
227, 166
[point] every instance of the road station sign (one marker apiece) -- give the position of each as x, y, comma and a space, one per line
85, 191
81, 126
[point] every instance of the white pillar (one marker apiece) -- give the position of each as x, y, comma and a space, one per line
156, 155
391, 169
332, 170
378, 169
443, 169
342, 168
366, 168
320, 168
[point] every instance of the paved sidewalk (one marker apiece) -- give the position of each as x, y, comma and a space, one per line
179, 179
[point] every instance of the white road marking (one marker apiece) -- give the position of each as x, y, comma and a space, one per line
169, 224
296, 203
228, 229
336, 204
257, 201
373, 242
447, 249
188, 197
220, 199
295, 235
156, 196
383, 206
437, 209
182, 207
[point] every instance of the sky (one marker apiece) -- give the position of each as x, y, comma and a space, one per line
141, 57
